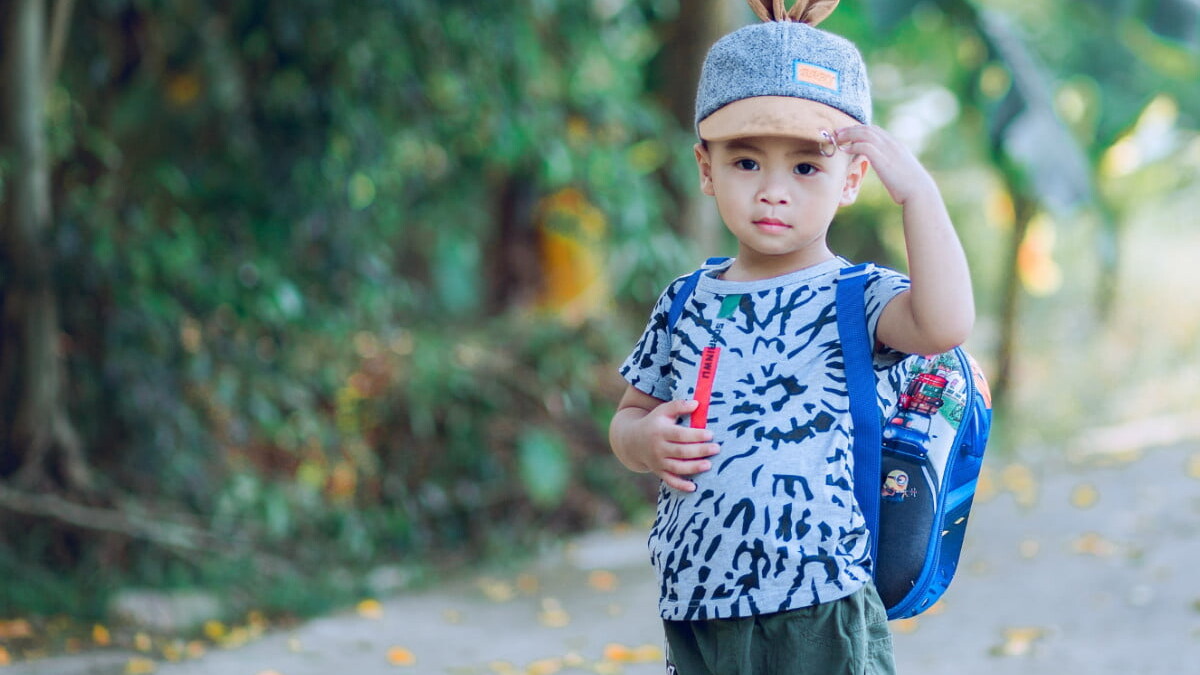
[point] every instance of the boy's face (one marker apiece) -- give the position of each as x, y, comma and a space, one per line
778, 196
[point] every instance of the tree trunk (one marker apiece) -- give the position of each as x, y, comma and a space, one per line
38, 436
1025, 208
700, 24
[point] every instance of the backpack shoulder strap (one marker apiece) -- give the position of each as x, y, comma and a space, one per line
685, 291
857, 350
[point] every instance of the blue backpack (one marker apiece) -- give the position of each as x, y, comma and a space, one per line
916, 458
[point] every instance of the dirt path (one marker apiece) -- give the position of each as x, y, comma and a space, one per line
1070, 567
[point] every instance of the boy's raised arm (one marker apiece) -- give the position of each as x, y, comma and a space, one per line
938, 312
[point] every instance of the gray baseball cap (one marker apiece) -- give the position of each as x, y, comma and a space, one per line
782, 77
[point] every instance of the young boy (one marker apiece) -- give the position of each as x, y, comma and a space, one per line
760, 548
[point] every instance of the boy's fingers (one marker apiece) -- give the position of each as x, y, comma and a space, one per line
692, 450
682, 484
675, 409
678, 434
687, 467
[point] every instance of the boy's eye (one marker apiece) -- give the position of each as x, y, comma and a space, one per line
746, 164
806, 169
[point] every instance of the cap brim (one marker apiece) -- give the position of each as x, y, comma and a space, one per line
773, 116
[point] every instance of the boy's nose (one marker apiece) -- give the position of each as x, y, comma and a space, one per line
773, 192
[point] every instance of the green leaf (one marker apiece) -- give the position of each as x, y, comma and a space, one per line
544, 467
1177, 20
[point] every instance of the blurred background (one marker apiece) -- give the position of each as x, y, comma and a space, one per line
296, 291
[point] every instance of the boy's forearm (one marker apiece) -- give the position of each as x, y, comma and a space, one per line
943, 306
620, 437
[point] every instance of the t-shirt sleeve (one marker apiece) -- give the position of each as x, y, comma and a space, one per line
882, 287
648, 367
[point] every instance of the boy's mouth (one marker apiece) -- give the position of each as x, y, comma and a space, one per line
771, 224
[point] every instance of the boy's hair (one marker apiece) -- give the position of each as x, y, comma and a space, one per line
783, 77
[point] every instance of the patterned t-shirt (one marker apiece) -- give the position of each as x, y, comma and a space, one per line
773, 525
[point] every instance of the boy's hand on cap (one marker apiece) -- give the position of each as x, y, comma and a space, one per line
897, 167
673, 450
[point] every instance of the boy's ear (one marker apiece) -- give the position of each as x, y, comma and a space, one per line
704, 164
855, 175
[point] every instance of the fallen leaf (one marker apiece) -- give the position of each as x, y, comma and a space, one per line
647, 654
5, 658
603, 581
256, 624
400, 656
195, 649
1018, 641
236, 637
553, 615
906, 626
617, 653
214, 630
503, 668
15, 628
142, 642
1019, 480
528, 584
544, 667
1084, 496
495, 590
1029, 548
370, 609
140, 666
1092, 543
101, 636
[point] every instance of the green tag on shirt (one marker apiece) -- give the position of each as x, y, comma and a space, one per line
729, 305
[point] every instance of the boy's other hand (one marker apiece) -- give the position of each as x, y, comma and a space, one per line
897, 167
646, 436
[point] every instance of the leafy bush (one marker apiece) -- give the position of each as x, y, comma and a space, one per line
300, 254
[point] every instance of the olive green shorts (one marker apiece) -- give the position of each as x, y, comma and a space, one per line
845, 637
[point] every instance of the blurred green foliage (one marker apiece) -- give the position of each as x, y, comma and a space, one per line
276, 225
297, 254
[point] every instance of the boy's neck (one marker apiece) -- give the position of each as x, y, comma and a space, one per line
756, 267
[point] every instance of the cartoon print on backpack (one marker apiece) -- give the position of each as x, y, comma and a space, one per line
895, 486
909, 428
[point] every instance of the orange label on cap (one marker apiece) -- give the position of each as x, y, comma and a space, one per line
816, 75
